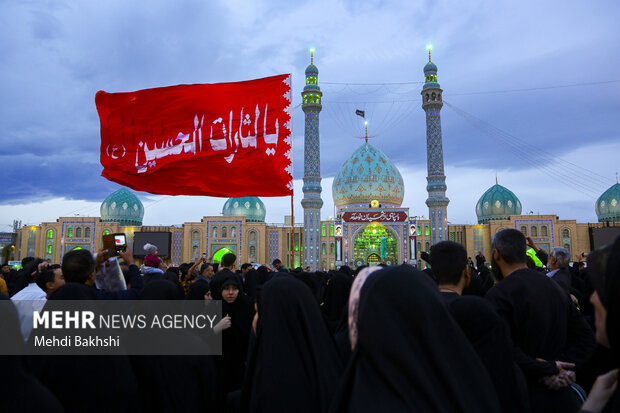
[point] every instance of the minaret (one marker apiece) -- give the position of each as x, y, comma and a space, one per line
312, 201
437, 202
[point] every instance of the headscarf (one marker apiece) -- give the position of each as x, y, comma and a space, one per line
235, 339
264, 274
19, 391
604, 271
336, 298
160, 290
311, 280
409, 354
251, 283
295, 365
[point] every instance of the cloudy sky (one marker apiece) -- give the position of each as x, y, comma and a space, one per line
532, 91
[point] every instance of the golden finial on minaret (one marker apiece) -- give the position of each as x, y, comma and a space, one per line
429, 47
496, 183
312, 55
366, 135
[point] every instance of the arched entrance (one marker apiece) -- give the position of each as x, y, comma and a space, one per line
374, 244
217, 257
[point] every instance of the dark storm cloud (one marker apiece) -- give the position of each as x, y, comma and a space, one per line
58, 54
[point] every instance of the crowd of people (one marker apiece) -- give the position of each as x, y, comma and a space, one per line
512, 336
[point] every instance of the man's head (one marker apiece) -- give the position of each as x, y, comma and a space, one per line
558, 259
228, 260
207, 270
245, 268
78, 266
277, 264
509, 252
51, 279
5, 269
449, 263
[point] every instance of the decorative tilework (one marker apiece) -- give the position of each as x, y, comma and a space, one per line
437, 201
273, 245
177, 246
312, 201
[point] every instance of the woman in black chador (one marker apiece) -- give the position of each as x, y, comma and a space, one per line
239, 309
294, 365
409, 355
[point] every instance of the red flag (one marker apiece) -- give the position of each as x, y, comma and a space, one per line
222, 139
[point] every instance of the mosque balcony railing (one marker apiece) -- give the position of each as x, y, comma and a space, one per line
281, 225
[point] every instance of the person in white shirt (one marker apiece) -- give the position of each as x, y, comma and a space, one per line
31, 298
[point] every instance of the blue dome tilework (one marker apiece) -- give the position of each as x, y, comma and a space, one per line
250, 207
497, 202
368, 175
312, 70
124, 207
608, 205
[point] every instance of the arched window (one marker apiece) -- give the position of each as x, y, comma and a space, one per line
427, 231
106, 232
195, 235
534, 231
544, 232
87, 232
524, 230
324, 265
419, 247
224, 232
252, 253
323, 230
50, 233
78, 232
214, 232
332, 248
252, 236
323, 248
427, 246
567, 246
69, 233
433, 96
565, 233
49, 249
233, 232
195, 252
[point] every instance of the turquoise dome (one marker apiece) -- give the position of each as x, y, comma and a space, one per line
368, 175
312, 70
497, 202
124, 207
430, 67
250, 207
608, 205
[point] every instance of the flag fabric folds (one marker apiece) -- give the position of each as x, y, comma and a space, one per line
360, 113
221, 139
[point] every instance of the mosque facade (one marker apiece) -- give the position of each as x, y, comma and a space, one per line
371, 225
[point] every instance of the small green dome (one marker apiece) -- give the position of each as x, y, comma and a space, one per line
497, 202
124, 207
608, 205
250, 207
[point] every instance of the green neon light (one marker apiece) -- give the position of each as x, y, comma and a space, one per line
217, 257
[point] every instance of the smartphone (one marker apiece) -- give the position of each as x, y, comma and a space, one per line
115, 243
